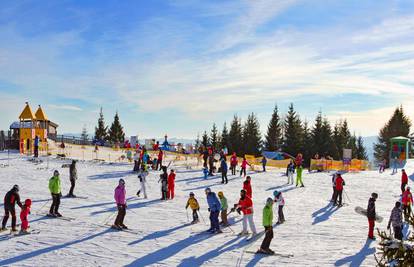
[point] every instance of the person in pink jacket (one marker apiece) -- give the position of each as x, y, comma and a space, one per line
120, 200
243, 167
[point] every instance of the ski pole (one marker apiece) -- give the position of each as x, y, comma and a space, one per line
347, 196
108, 217
38, 211
186, 212
230, 228
202, 217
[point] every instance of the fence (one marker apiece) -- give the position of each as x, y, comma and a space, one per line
336, 165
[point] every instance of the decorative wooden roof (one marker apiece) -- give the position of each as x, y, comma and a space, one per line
40, 115
27, 113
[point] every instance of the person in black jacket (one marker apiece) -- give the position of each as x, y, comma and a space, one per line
371, 215
12, 197
73, 176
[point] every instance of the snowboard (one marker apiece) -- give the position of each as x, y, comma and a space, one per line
363, 211
274, 254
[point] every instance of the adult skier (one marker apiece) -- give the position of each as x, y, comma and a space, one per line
371, 215
404, 180
407, 201
73, 176
233, 163
396, 221
243, 167
334, 187
56, 192
299, 170
11, 198
245, 205
339, 187
264, 162
214, 209
164, 183
171, 185
210, 163
268, 225
223, 166
120, 200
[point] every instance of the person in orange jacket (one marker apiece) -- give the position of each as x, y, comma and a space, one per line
171, 185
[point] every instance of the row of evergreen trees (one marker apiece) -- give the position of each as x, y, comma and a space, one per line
115, 134
289, 134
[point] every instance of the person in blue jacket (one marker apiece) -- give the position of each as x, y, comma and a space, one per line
214, 206
36, 147
223, 166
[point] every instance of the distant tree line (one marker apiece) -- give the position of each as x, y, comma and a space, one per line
115, 134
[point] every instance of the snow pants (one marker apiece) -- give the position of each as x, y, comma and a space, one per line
281, 218
249, 219
119, 220
268, 238
36, 151
233, 169
195, 216
72, 186
224, 177
12, 212
243, 171
25, 223
214, 221
333, 194
403, 187
55, 204
264, 167
407, 211
159, 164
143, 189
224, 217
170, 192
338, 195
290, 177
398, 232
299, 179
371, 225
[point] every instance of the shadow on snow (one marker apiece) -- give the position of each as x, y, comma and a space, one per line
323, 214
159, 234
135, 205
357, 259
111, 175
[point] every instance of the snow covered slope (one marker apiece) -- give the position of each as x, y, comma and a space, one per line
314, 232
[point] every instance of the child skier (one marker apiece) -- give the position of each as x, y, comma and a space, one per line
120, 201
247, 186
339, 187
143, 179
299, 170
55, 190
214, 209
371, 215
224, 207
164, 183
205, 172
171, 185
245, 206
404, 180
268, 225
396, 221
290, 170
243, 167
281, 203
407, 201
223, 166
10, 200
193, 204
233, 163
24, 213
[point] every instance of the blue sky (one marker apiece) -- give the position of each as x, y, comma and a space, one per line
178, 66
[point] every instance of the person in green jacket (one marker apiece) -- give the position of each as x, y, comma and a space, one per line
55, 190
299, 170
268, 225
224, 207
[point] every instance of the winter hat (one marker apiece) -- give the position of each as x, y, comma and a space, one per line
191, 194
208, 190
269, 200
56, 173
276, 193
220, 194
28, 202
121, 181
243, 191
374, 195
16, 187
408, 188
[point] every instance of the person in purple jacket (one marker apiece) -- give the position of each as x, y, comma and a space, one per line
120, 200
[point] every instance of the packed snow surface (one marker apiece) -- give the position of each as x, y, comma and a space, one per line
314, 232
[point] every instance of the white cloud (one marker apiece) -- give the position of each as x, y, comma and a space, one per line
64, 107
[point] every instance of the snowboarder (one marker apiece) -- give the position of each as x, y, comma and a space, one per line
24, 213
10, 200
164, 183
371, 215
247, 186
407, 201
339, 187
120, 201
404, 180
264, 162
233, 163
268, 225
223, 167
290, 170
299, 170
56, 191
224, 207
193, 204
143, 179
214, 209
243, 167
73, 176
36, 147
245, 206
205, 173
171, 185
396, 221
281, 203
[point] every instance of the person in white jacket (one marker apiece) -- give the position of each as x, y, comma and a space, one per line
281, 203
142, 179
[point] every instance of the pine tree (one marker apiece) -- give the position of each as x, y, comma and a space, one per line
361, 152
116, 132
274, 138
235, 137
197, 142
215, 138
205, 140
101, 132
84, 136
307, 144
398, 125
353, 146
225, 137
293, 133
251, 137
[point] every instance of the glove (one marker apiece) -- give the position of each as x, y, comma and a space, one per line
239, 210
232, 209
198, 209
208, 209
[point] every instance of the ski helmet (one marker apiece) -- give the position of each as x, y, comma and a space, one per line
208, 190
16, 187
276, 193
121, 181
269, 200
374, 195
56, 173
220, 194
191, 194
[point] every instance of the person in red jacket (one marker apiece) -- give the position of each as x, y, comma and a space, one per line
233, 163
24, 213
245, 206
404, 181
248, 187
171, 185
159, 159
339, 187
407, 201
299, 159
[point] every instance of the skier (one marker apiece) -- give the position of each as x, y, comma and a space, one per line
299, 159
145, 156
264, 162
407, 200
281, 203
205, 172
24, 213
395, 166
371, 215
245, 205
159, 161
396, 221
210, 163
171, 185
193, 204
136, 165
73, 176
339, 187
290, 170
36, 147
247, 186
120, 201
164, 183
382, 166
223, 167
233, 163
268, 225
10, 200
143, 179
334, 187
404, 180
224, 207
205, 157
214, 209
56, 191
299, 170
243, 167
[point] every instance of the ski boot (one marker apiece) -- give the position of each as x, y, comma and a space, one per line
243, 233
123, 226
57, 214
